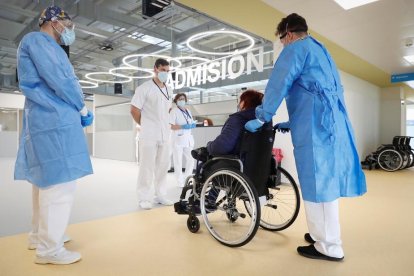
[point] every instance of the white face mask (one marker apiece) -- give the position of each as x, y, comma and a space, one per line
181, 103
163, 76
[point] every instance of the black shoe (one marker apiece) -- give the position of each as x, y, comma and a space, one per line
311, 252
308, 238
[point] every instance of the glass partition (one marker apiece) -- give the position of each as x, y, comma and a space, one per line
8, 120
115, 117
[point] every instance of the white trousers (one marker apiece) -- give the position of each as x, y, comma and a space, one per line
178, 152
51, 211
153, 167
324, 228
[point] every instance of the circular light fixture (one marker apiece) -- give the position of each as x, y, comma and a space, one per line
151, 73
126, 79
189, 58
127, 60
89, 84
209, 33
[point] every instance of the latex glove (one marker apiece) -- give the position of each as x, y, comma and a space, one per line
283, 127
87, 120
187, 126
193, 125
253, 125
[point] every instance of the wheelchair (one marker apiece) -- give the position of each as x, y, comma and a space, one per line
392, 157
237, 194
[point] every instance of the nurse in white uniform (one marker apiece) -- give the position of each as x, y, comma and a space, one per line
182, 122
149, 108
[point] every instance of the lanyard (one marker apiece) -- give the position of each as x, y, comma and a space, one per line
166, 89
186, 114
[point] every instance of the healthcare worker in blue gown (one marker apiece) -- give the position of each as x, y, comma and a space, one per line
52, 152
324, 146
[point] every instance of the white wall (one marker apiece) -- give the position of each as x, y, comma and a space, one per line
115, 145
11, 100
113, 142
8, 143
363, 101
391, 114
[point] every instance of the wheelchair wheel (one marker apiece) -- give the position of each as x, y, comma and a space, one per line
282, 205
411, 158
406, 159
193, 224
390, 160
222, 203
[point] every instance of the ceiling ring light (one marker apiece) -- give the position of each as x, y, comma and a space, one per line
151, 73
88, 76
126, 60
91, 83
209, 33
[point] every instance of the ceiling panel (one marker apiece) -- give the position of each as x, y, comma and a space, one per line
375, 32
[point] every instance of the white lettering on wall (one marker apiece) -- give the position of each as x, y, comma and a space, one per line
219, 69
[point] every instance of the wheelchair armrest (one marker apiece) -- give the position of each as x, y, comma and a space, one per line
230, 157
226, 156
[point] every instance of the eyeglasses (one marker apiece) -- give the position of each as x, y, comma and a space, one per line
283, 36
67, 24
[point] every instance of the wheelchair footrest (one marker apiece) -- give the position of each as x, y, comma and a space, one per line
180, 208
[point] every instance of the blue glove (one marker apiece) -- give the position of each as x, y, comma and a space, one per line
253, 125
283, 127
193, 125
87, 120
187, 126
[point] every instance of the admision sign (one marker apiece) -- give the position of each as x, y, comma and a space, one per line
211, 71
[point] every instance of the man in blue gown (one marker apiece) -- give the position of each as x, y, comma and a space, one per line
324, 146
52, 152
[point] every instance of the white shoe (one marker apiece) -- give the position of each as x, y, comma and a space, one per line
163, 201
33, 245
63, 257
145, 204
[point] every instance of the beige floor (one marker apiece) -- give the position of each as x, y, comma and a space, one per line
377, 231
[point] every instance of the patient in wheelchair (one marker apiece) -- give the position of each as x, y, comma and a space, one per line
228, 141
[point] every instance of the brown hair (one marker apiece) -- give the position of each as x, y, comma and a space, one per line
178, 96
251, 98
292, 23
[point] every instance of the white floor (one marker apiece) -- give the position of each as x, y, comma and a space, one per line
108, 192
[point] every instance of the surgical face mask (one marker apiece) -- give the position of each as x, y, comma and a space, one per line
163, 76
67, 36
181, 103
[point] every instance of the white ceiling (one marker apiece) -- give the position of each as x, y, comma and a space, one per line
375, 32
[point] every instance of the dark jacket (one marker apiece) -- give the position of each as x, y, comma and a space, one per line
231, 133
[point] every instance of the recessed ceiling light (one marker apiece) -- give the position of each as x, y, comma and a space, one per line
349, 4
410, 59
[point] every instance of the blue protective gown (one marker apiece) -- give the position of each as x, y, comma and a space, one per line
52, 146
324, 146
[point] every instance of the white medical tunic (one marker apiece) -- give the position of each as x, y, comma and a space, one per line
154, 103
181, 137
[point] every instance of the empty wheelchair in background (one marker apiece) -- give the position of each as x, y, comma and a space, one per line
392, 157
237, 194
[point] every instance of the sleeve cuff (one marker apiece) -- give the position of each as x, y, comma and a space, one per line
84, 111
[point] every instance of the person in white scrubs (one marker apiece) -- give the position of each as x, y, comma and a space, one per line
182, 122
150, 109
